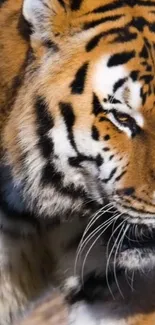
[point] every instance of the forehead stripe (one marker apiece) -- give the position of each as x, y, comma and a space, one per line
109, 7
97, 22
96, 39
120, 58
125, 36
76, 4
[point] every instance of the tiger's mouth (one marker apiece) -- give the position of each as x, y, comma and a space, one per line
143, 238
131, 245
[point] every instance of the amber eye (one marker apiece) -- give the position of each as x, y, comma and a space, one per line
126, 121
122, 118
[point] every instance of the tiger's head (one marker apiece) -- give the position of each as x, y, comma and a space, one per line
81, 131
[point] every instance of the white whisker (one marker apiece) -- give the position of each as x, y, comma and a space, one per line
117, 249
93, 220
100, 213
84, 262
94, 231
112, 249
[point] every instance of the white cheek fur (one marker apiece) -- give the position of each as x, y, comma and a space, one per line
104, 79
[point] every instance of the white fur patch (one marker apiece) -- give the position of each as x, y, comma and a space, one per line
104, 79
84, 314
31, 8
72, 284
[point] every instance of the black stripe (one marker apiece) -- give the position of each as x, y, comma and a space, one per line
97, 22
147, 78
143, 96
134, 75
106, 137
113, 172
139, 23
119, 4
61, 2
78, 84
119, 84
96, 39
106, 149
103, 119
50, 176
109, 7
145, 3
120, 58
69, 118
76, 4
111, 157
99, 160
120, 176
44, 119
44, 125
125, 35
76, 161
97, 108
144, 52
51, 45
95, 133
24, 27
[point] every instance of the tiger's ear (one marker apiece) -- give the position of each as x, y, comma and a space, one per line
45, 15
49, 19
35, 9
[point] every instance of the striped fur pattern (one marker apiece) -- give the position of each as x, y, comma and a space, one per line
77, 97
74, 136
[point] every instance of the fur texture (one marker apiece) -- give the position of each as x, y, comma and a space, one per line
77, 96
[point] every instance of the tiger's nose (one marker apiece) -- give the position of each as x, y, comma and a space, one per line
125, 191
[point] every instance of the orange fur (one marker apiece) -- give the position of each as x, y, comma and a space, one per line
22, 79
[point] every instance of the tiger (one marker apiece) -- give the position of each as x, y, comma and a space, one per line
77, 166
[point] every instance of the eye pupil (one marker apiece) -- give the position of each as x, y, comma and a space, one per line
127, 121
123, 118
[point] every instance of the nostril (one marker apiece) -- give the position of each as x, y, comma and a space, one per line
125, 191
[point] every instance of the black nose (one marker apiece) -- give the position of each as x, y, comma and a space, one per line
125, 191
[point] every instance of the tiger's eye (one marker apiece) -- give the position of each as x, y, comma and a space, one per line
122, 118
127, 121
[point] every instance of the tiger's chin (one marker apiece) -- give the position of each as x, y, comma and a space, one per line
137, 248
137, 258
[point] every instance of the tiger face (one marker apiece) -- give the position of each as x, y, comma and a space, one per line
81, 132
